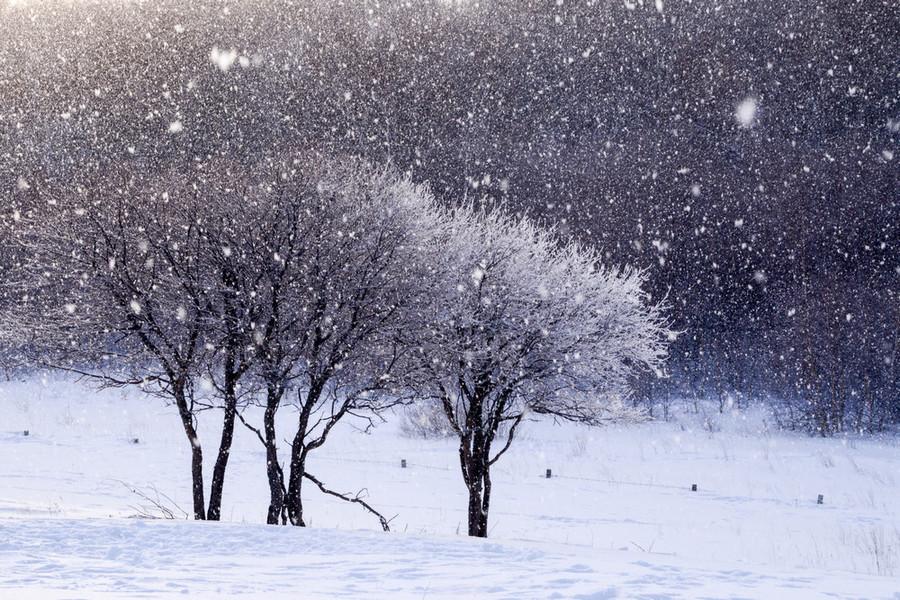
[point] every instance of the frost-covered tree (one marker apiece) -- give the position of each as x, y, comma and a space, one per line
360, 278
522, 323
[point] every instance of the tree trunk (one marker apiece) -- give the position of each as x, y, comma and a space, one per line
232, 375
294, 501
474, 453
479, 485
299, 452
274, 472
478, 516
218, 482
197, 478
187, 421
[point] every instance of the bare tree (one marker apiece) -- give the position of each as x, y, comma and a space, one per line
522, 323
263, 237
361, 275
125, 294
230, 207
275, 255
330, 266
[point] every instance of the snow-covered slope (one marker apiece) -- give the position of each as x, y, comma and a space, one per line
616, 519
65, 558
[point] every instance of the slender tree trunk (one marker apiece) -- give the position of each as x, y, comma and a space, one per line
187, 421
294, 501
299, 452
274, 472
218, 481
486, 498
232, 375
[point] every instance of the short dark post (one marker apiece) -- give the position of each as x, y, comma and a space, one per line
26, 433
820, 499
549, 473
693, 487
402, 463
135, 441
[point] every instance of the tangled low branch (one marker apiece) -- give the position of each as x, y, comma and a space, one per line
357, 499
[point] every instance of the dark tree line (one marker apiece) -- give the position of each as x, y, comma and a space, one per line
616, 123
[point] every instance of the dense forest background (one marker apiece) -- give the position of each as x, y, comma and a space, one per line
742, 152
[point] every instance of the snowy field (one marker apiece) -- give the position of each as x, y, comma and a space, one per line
617, 519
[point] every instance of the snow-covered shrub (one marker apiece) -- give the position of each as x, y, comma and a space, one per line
426, 420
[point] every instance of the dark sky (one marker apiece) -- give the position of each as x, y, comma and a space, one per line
745, 152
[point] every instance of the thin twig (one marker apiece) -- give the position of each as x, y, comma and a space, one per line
161, 502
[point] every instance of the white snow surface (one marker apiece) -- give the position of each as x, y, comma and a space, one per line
616, 520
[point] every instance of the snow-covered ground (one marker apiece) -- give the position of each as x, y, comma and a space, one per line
617, 519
